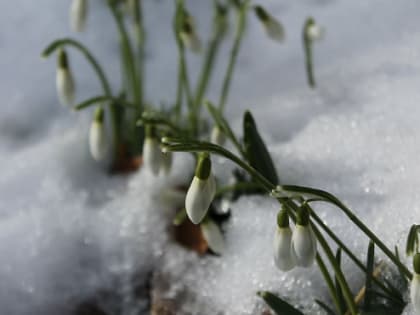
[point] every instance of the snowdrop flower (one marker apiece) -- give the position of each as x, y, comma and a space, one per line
98, 143
78, 13
284, 256
213, 236
415, 284
64, 80
166, 162
314, 31
189, 36
201, 191
272, 27
217, 136
152, 154
303, 240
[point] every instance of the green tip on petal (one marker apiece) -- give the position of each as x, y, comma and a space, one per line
150, 131
416, 263
99, 114
203, 168
283, 219
261, 13
303, 216
62, 59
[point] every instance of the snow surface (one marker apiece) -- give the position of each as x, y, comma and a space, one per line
70, 233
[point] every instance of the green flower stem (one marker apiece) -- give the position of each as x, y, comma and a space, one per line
140, 40
240, 30
349, 253
165, 122
241, 186
179, 92
102, 78
99, 99
128, 55
92, 60
221, 121
207, 67
307, 45
333, 200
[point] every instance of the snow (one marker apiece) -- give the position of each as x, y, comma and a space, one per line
69, 233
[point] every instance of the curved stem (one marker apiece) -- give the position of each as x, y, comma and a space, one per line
99, 99
335, 201
92, 60
241, 21
102, 78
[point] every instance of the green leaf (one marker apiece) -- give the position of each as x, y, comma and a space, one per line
256, 152
369, 275
340, 296
279, 306
325, 307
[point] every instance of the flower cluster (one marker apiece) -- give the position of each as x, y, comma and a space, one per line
297, 247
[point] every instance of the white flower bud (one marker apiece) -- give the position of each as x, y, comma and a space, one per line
284, 256
217, 136
201, 191
191, 41
272, 26
98, 143
64, 80
315, 32
304, 245
152, 155
78, 13
213, 236
166, 162
199, 197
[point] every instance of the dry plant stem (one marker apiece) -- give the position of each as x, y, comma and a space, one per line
240, 29
101, 76
361, 294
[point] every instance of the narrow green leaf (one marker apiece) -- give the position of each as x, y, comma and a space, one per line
340, 296
369, 275
256, 152
325, 307
279, 306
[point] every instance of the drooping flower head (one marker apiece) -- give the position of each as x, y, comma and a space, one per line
201, 191
64, 80
98, 143
415, 284
304, 243
284, 256
152, 154
272, 26
78, 14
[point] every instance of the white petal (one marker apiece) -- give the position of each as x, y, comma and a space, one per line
199, 197
98, 143
78, 13
191, 41
65, 86
166, 163
152, 155
304, 245
217, 136
274, 30
415, 292
315, 32
284, 256
213, 236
